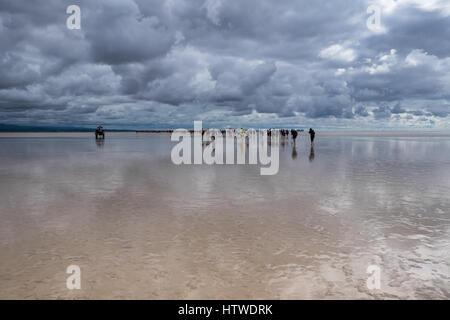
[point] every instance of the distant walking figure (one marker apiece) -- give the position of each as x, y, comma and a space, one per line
294, 134
99, 132
312, 134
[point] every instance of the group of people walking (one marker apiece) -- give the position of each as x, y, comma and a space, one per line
285, 133
294, 133
100, 133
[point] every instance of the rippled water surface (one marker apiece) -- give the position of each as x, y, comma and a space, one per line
140, 227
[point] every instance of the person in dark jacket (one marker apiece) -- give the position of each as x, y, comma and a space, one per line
99, 132
294, 134
312, 135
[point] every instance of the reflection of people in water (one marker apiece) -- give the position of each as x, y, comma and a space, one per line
294, 151
311, 153
100, 142
312, 134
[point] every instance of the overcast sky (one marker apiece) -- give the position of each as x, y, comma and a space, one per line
258, 63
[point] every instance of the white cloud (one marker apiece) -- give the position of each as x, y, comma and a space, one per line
212, 10
339, 71
338, 53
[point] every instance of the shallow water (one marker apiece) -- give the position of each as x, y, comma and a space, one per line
140, 227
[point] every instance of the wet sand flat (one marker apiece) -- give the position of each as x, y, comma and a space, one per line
141, 227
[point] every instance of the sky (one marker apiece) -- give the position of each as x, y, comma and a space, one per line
251, 63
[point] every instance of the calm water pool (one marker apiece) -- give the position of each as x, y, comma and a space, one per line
140, 227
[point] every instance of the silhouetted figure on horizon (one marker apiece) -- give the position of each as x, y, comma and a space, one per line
294, 134
312, 135
99, 132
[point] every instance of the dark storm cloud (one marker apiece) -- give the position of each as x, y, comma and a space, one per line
361, 111
413, 28
118, 33
170, 62
382, 112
